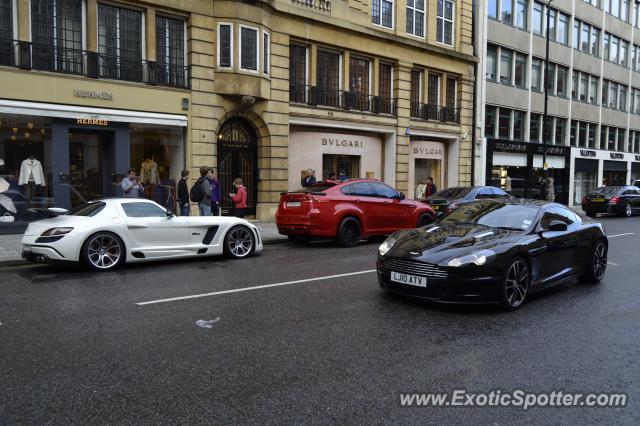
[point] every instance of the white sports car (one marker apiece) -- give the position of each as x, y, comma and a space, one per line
106, 233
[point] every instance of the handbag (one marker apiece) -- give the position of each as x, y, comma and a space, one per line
7, 218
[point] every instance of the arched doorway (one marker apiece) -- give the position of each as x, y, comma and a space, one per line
237, 157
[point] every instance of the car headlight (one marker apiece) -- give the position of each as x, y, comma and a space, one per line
478, 258
56, 231
387, 245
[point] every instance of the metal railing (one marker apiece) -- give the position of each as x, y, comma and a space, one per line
41, 57
356, 101
435, 112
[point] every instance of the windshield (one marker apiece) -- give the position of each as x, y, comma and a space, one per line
606, 191
87, 209
494, 214
452, 193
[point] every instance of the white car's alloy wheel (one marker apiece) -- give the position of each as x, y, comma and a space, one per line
239, 242
103, 251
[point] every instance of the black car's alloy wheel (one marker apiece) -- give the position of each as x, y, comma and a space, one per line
516, 284
598, 265
103, 251
349, 232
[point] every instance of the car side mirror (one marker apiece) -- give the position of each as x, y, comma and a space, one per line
401, 196
170, 214
557, 226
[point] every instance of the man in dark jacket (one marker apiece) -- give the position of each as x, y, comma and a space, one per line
430, 188
205, 205
309, 180
183, 194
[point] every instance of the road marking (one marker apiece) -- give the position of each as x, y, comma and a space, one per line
621, 235
613, 264
257, 287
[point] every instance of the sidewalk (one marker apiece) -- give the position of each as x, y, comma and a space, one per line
11, 245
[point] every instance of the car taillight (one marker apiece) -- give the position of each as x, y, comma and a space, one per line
451, 207
585, 200
614, 200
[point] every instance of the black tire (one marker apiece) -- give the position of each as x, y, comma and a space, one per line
299, 239
103, 251
597, 265
515, 284
424, 220
349, 232
239, 242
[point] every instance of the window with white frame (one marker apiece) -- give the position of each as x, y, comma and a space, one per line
266, 51
536, 74
415, 17
382, 13
537, 22
249, 49
444, 21
225, 45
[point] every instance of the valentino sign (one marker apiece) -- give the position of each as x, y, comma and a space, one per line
587, 153
344, 143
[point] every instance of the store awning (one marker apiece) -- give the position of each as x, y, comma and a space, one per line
75, 112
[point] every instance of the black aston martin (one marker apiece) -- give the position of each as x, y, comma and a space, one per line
490, 251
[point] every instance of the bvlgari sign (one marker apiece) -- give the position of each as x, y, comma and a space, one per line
343, 142
81, 93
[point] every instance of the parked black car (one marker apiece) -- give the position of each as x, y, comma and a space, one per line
447, 200
491, 251
620, 200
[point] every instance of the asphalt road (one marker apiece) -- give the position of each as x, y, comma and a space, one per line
76, 347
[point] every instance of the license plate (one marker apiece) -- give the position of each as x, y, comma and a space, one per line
597, 200
293, 204
408, 279
26, 247
435, 207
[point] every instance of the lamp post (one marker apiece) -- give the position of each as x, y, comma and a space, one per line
545, 116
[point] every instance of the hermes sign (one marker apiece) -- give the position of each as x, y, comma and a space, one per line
92, 121
81, 93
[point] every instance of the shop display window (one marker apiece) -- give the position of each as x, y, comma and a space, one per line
25, 168
157, 155
340, 166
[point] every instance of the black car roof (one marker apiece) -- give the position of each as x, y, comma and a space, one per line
524, 202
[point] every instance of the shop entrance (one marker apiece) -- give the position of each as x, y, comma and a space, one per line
91, 165
614, 173
237, 158
424, 168
340, 166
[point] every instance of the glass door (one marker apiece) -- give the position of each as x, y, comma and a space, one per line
91, 164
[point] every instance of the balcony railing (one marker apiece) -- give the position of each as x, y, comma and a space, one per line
320, 5
317, 96
40, 57
435, 112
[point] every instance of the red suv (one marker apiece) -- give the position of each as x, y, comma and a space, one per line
348, 211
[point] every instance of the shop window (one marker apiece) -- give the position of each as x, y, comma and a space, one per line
25, 168
342, 166
266, 51
328, 78
170, 51
120, 42
415, 17
249, 48
444, 21
297, 73
56, 33
382, 13
225, 45
157, 154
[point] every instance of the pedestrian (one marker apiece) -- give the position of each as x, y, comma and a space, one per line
204, 204
309, 179
343, 176
550, 189
239, 198
216, 192
183, 193
131, 186
420, 189
430, 188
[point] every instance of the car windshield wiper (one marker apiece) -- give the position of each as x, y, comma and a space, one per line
509, 228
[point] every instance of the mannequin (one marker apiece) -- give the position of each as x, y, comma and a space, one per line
4, 185
31, 176
149, 176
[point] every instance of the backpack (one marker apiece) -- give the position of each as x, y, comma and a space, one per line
197, 194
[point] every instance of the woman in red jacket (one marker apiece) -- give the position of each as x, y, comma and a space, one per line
239, 198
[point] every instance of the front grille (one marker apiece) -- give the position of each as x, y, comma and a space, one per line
411, 267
